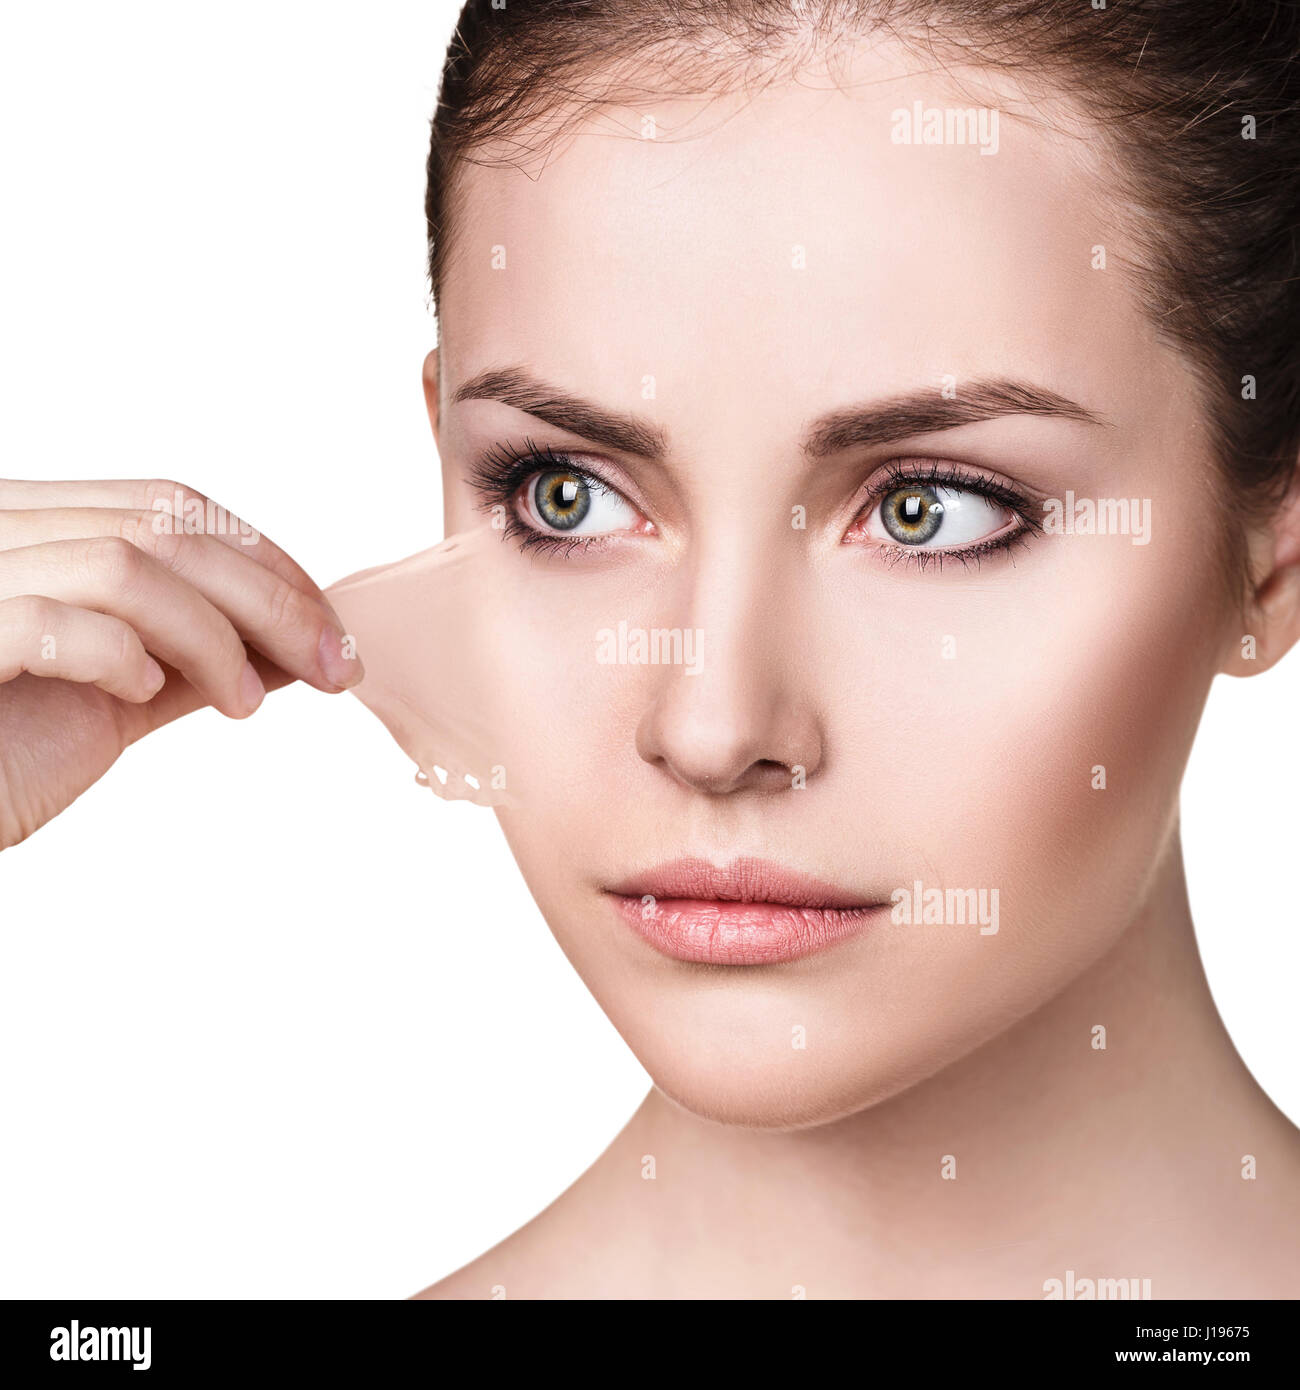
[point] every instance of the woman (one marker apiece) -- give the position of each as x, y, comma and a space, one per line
930, 371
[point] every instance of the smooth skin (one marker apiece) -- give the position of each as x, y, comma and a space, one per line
757, 1168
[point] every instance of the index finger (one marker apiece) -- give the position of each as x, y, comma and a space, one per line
173, 503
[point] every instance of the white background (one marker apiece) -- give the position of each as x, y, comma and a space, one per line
246, 1047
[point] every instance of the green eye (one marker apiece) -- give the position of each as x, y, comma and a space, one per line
912, 514
936, 516
562, 498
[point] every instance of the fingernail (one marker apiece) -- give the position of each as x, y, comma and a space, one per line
340, 668
251, 688
154, 676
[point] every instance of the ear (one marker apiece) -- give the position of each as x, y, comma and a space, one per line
1272, 614
431, 390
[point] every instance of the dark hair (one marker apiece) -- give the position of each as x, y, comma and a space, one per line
1200, 100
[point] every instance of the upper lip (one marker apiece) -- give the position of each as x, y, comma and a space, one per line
741, 881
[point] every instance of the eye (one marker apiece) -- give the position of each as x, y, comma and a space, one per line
935, 516
575, 503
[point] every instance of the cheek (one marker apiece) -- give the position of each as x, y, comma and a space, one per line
571, 712
1028, 733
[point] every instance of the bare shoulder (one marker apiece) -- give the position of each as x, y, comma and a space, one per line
473, 1280
553, 1257
501, 1272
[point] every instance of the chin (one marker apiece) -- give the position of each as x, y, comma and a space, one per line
746, 1070
777, 1098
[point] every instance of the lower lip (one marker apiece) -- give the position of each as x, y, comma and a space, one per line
733, 933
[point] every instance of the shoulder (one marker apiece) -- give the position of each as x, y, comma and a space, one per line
549, 1258
468, 1282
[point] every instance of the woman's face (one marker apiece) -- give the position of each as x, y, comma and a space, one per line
820, 342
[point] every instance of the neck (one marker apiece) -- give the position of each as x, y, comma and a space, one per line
1038, 1153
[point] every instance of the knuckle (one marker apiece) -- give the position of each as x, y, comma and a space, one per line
165, 545
140, 529
33, 615
114, 562
290, 611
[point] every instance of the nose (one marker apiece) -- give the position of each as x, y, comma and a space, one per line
748, 720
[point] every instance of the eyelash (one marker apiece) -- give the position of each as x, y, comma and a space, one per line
503, 470
499, 474
932, 473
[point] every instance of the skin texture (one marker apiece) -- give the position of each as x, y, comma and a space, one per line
949, 720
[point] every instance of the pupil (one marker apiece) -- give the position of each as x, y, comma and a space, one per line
563, 499
912, 515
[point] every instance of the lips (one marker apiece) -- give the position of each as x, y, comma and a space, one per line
747, 912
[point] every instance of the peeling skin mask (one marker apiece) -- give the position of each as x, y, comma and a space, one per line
449, 637
437, 664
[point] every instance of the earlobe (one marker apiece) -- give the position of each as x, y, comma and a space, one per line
1274, 611
430, 375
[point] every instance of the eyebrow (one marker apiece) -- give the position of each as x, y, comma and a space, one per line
874, 423
926, 412
518, 387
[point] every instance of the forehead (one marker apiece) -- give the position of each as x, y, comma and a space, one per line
809, 235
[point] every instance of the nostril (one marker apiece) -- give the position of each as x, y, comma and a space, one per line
770, 775
763, 775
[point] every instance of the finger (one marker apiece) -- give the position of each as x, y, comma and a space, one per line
172, 619
47, 638
297, 630
168, 502
178, 698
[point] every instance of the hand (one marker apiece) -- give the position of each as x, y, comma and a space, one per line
114, 621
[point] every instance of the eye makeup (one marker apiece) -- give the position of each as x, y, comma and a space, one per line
916, 510
914, 501
551, 501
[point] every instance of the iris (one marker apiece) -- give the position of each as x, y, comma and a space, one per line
562, 498
912, 515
